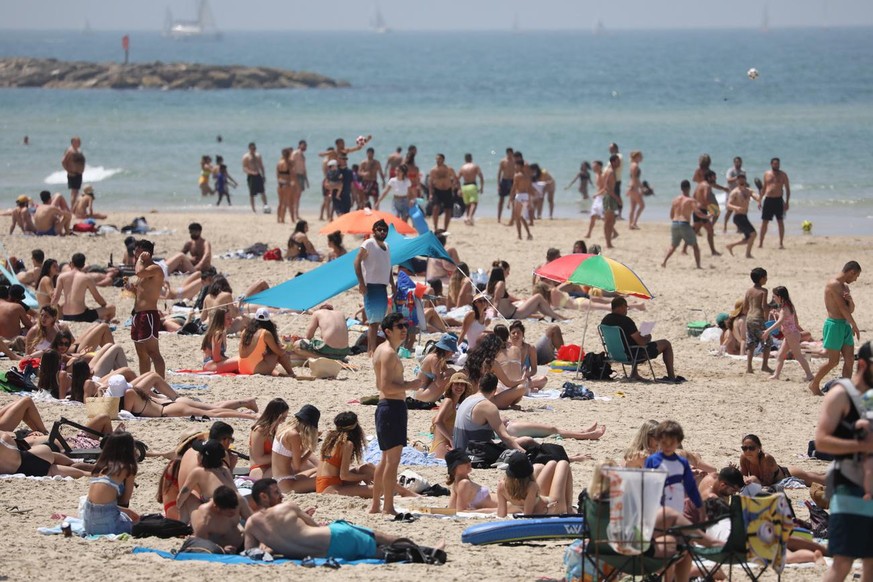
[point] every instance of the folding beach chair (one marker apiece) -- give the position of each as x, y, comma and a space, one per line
617, 346
56, 438
602, 561
760, 528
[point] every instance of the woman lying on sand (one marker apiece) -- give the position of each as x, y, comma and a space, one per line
465, 494
139, 400
520, 489
760, 467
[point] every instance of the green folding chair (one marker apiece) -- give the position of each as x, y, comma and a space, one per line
621, 351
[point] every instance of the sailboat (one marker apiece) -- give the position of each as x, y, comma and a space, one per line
87, 30
598, 28
765, 20
202, 28
378, 23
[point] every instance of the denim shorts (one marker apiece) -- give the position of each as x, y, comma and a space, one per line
105, 518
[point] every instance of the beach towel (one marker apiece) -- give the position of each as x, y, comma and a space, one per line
769, 524
409, 456
544, 395
193, 372
77, 526
244, 560
181, 386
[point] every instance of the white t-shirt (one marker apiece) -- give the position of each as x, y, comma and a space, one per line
376, 266
399, 187
731, 176
620, 169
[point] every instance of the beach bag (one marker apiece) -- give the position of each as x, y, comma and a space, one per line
483, 454
199, 546
413, 481
158, 526
407, 551
818, 519
273, 255
324, 367
595, 367
545, 452
97, 405
85, 226
21, 381
579, 568
569, 353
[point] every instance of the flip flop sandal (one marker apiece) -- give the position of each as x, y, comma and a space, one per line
332, 564
405, 517
308, 562
14, 510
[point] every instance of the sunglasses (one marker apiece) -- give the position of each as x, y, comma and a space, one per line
746, 449
401, 326
63, 344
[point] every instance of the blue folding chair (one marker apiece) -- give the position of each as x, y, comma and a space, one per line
621, 351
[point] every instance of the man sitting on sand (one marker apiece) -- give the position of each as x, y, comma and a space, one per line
51, 218
84, 206
218, 520
72, 285
288, 530
21, 216
196, 254
334, 342
14, 320
31, 275
619, 318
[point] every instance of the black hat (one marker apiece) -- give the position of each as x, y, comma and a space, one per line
865, 353
212, 450
456, 457
308, 414
519, 466
220, 430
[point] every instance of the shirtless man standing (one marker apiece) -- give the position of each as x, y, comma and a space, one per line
704, 196
731, 178
519, 197
839, 328
468, 174
196, 254
442, 185
21, 216
72, 285
368, 171
393, 162
44, 216
738, 203
253, 166
74, 164
84, 207
146, 326
334, 342
681, 210
391, 413
775, 182
505, 175
218, 520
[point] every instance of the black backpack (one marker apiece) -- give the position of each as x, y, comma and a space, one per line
483, 454
407, 551
23, 381
156, 525
595, 367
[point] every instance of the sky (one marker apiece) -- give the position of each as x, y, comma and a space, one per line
405, 15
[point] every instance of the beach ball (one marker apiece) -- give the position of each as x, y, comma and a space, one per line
267, 209
360, 140
806, 225
752, 73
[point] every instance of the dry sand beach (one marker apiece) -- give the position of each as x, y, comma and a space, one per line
717, 406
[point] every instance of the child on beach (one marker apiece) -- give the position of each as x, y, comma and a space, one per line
680, 482
105, 509
222, 179
787, 321
333, 181
755, 310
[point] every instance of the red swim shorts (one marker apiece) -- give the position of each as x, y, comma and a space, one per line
146, 325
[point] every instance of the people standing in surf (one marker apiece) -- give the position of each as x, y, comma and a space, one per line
206, 171
253, 166
468, 174
505, 175
222, 179
284, 179
74, 164
441, 183
619, 171
584, 177
771, 203
369, 173
298, 158
732, 178
635, 190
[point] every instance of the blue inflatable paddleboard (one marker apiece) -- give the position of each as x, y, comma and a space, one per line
517, 530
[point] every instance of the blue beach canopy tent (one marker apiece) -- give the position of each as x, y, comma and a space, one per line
322, 283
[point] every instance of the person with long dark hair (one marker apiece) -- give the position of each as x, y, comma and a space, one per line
105, 510
512, 307
299, 245
211, 474
48, 278
343, 446
760, 467
260, 349
50, 377
261, 438
475, 321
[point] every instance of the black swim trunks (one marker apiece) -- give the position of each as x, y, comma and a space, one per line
74, 181
33, 466
618, 194
391, 420
744, 226
87, 316
773, 208
444, 198
256, 184
698, 219
505, 188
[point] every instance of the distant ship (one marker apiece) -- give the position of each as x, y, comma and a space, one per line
203, 28
87, 30
765, 20
378, 23
599, 28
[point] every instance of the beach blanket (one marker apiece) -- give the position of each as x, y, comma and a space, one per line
192, 372
181, 386
409, 456
23, 476
78, 528
237, 559
544, 395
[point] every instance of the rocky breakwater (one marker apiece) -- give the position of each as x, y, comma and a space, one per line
55, 74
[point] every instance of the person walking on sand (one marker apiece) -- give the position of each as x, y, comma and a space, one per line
681, 210
74, 164
635, 190
442, 180
298, 160
839, 329
790, 327
771, 203
611, 200
738, 203
468, 174
519, 197
704, 197
755, 310
146, 324
256, 177
369, 172
391, 413
373, 269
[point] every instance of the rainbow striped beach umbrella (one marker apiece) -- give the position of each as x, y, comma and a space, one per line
595, 271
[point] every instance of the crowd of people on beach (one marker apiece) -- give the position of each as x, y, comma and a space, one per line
481, 365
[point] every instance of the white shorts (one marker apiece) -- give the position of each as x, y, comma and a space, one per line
539, 189
522, 198
597, 207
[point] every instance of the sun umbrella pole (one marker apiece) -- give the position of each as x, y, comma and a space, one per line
584, 333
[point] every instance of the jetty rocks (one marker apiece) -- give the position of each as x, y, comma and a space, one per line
55, 74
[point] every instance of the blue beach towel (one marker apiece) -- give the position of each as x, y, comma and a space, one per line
243, 560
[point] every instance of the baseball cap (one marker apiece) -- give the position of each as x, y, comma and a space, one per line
456, 457
262, 314
721, 317
118, 385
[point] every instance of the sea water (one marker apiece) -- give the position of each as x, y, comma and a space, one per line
559, 97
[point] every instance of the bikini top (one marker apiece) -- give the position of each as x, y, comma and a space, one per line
104, 480
280, 449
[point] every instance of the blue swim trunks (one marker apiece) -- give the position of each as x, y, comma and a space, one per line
376, 302
350, 542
